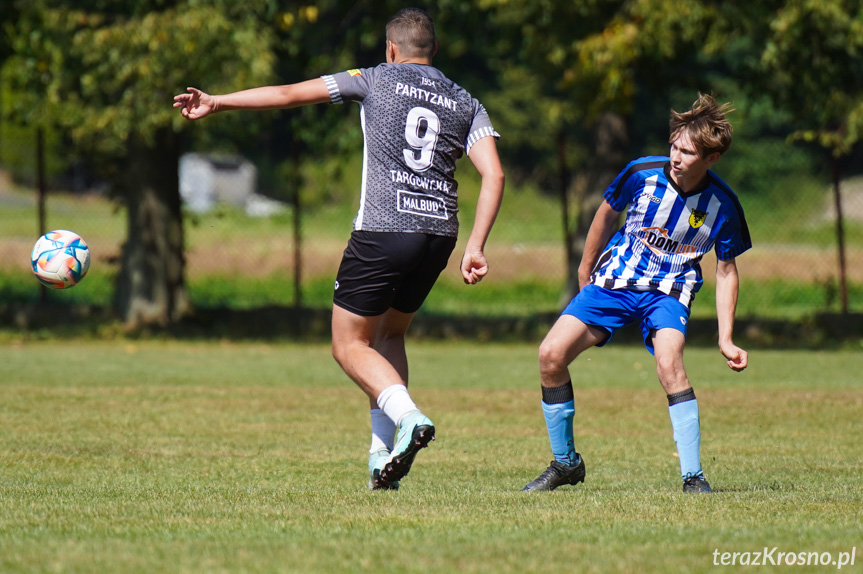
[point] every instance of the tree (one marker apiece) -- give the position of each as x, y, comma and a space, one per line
804, 55
106, 73
527, 52
812, 64
588, 71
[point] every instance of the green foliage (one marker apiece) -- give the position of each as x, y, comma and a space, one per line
530, 66
813, 61
545, 69
102, 75
18, 152
99, 71
761, 167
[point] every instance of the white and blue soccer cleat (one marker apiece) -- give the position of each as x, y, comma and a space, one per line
415, 432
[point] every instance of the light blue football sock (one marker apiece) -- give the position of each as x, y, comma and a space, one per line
558, 406
683, 410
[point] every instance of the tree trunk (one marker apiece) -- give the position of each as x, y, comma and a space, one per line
151, 289
563, 193
840, 238
295, 181
611, 143
41, 196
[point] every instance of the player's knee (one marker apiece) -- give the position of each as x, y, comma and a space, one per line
664, 370
671, 372
339, 351
552, 357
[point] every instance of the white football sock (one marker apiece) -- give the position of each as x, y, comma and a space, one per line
383, 431
395, 402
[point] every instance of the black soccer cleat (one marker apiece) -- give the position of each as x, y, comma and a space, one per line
417, 433
378, 483
557, 474
696, 484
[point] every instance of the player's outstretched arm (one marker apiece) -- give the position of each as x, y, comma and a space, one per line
483, 155
727, 286
197, 104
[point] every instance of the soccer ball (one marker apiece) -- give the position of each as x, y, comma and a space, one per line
60, 259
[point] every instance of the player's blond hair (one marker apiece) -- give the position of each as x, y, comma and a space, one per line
412, 30
706, 125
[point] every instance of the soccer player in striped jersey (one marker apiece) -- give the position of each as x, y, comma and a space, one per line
648, 271
416, 124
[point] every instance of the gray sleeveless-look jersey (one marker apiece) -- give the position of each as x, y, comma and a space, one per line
416, 124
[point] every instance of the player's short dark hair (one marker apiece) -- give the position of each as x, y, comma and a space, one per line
705, 123
412, 30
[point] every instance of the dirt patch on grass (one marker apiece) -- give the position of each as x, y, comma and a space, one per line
268, 255
507, 262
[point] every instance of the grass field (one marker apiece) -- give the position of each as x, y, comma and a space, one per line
167, 456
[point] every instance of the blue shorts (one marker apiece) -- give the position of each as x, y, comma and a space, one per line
610, 310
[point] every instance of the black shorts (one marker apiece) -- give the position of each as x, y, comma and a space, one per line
380, 270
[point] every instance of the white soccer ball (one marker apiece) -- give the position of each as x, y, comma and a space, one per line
60, 259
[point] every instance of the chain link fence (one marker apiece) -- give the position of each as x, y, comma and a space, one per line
241, 246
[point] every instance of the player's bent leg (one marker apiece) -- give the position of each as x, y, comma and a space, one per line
415, 430
390, 340
390, 343
353, 337
567, 339
668, 351
682, 407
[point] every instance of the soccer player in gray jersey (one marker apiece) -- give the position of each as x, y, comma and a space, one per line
416, 124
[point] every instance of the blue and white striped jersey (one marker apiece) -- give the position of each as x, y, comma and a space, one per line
666, 232
416, 124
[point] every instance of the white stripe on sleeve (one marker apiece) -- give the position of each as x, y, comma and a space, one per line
333, 89
478, 135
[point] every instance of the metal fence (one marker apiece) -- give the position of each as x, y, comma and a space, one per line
240, 252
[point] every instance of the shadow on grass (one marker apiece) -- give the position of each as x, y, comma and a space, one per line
51, 320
